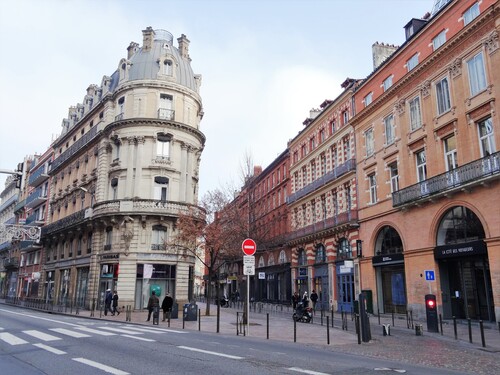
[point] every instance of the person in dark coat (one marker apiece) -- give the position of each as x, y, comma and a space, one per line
295, 300
115, 304
107, 302
166, 306
152, 303
314, 299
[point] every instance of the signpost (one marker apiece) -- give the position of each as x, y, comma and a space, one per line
430, 276
249, 248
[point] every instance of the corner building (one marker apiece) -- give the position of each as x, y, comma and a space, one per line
428, 167
126, 163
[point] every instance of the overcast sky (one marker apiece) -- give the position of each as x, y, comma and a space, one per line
264, 65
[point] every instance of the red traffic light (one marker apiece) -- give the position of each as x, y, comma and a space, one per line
431, 303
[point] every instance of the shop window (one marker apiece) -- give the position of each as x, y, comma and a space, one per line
458, 225
388, 242
344, 249
159, 236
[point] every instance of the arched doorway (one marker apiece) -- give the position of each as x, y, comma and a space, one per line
463, 266
390, 271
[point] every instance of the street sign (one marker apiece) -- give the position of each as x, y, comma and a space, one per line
249, 247
248, 265
429, 275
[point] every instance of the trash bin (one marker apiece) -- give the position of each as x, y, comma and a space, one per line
175, 311
369, 300
190, 312
419, 329
386, 329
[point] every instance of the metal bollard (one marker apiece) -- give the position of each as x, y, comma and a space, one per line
199, 319
267, 325
358, 328
237, 322
393, 318
378, 314
294, 330
470, 330
327, 330
441, 323
455, 327
483, 342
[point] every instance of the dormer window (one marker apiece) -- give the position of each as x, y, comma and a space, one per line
167, 67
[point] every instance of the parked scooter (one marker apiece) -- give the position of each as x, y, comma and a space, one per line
302, 314
224, 302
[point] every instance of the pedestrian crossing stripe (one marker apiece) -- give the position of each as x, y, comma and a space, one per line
42, 336
67, 332
11, 339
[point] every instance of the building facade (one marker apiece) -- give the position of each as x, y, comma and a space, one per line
125, 165
427, 130
323, 204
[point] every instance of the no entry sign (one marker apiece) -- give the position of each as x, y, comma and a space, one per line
249, 247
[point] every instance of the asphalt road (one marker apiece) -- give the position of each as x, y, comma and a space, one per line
34, 342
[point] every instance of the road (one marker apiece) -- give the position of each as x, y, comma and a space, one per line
34, 342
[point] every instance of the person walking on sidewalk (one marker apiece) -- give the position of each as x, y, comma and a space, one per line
107, 302
166, 306
305, 300
295, 300
314, 299
115, 304
153, 303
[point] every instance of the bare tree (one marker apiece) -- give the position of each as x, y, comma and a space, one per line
219, 226
246, 167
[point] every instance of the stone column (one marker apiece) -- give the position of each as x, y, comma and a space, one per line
138, 166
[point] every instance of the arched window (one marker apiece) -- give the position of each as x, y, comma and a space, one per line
388, 242
320, 253
458, 225
163, 145
114, 188
262, 262
302, 257
270, 260
167, 67
161, 188
344, 250
282, 258
159, 235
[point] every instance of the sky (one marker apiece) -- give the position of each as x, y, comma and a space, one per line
264, 64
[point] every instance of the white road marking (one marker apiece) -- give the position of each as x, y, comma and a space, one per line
100, 366
11, 339
142, 330
304, 371
67, 332
49, 349
138, 338
120, 330
40, 318
41, 335
95, 331
209, 352
155, 330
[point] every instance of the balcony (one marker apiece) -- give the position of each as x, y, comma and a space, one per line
348, 166
465, 177
64, 223
8, 202
19, 206
75, 147
141, 207
36, 198
158, 246
166, 114
29, 245
11, 263
119, 117
38, 176
339, 222
35, 219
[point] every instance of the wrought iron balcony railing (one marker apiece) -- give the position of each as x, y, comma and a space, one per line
68, 221
38, 176
328, 223
348, 166
75, 147
469, 174
36, 198
166, 114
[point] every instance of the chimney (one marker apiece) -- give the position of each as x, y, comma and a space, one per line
257, 170
314, 112
184, 46
147, 38
381, 52
132, 49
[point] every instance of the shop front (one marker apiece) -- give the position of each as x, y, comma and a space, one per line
391, 288
159, 278
345, 285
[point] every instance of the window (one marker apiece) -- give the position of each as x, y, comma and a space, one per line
304, 176
302, 259
323, 164
389, 129
312, 144
89, 243
165, 111
415, 114
79, 246
348, 197
163, 145
439, 40
295, 157
344, 250
372, 182
296, 180
345, 117
421, 166
322, 135
477, 74
394, 176
387, 83
161, 188
108, 240
369, 142
335, 202
333, 126
323, 207
320, 254
167, 67
335, 158
116, 150
347, 148
121, 105
486, 137
158, 237
303, 151
70, 249
313, 171
471, 13
368, 99
412, 62
443, 96
450, 153
114, 188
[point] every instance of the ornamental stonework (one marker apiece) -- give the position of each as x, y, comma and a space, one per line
425, 88
456, 68
491, 43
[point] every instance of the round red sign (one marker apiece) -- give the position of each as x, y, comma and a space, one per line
249, 247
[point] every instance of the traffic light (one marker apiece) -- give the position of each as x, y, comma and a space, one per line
431, 313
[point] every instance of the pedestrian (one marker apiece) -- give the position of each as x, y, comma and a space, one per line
153, 303
107, 302
115, 304
166, 306
314, 299
295, 300
237, 295
305, 300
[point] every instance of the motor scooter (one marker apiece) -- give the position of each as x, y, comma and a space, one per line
302, 314
224, 302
